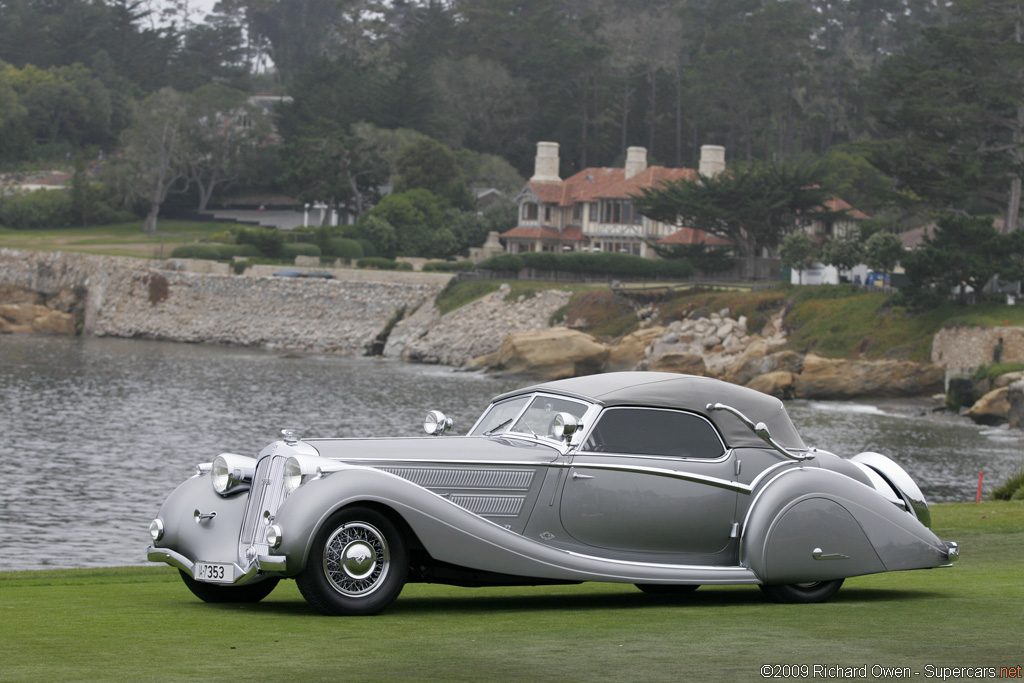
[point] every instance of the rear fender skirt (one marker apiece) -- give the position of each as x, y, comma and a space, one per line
808, 524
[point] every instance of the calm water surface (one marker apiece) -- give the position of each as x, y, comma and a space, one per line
98, 431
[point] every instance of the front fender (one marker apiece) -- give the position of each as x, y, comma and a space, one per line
813, 524
211, 540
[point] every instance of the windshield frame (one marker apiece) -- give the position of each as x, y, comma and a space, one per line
590, 409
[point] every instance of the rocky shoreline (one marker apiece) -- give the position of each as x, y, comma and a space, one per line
499, 332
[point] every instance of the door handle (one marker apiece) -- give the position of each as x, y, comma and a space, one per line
577, 475
819, 554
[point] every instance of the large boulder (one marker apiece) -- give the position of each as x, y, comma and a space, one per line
757, 360
554, 353
632, 349
841, 378
683, 363
992, 408
1015, 397
780, 383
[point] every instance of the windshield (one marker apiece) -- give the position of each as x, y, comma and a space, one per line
535, 420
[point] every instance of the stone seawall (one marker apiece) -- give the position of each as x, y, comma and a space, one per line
125, 297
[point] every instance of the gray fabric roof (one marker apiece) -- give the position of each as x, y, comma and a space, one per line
687, 392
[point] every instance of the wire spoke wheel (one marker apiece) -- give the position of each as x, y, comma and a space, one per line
357, 565
356, 559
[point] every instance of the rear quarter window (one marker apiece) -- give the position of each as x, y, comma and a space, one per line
650, 431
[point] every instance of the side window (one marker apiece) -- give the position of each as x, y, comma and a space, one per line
648, 431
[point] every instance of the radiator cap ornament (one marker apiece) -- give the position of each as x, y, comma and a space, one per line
290, 436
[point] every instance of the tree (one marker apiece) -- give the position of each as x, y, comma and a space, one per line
417, 217
154, 152
953, 108
964, 253
429, 165
883, 251
753, 205
843, 252
222, 131
798, 252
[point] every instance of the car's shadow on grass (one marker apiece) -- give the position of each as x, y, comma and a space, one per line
479, 602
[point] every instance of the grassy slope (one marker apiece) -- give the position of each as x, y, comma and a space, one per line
142, 624
119, 239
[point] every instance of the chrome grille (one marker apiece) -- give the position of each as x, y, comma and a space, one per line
465, 478
266, 494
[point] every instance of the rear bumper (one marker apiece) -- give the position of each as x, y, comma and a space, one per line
263, 564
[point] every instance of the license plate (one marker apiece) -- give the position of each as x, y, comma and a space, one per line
213, 572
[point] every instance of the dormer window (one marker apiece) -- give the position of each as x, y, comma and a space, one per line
529, 211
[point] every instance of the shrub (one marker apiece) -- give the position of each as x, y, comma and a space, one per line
214, 252
378, 263
448, 266
268, 241
293, 249
505, 263
343, 247
1011, 488
369, 248
35, 210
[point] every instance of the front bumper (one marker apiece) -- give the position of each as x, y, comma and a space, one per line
239, 575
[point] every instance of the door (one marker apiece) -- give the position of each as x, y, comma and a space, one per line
653, 481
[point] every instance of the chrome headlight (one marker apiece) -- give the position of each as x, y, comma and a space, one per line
292, 475
229, 472
156, 529
274, 536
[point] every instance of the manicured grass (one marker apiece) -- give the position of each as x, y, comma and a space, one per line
142, 624
117, 239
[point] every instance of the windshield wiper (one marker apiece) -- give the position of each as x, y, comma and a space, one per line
499, 427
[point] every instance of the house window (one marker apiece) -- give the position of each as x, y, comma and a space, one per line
529, 212
547, 214
593, 212
577, 212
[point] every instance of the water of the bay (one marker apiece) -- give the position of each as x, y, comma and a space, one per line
96, 432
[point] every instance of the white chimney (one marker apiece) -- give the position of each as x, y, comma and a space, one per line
712, 160
545, 166
636, 161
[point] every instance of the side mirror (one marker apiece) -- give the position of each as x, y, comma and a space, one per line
437, 423
563, 426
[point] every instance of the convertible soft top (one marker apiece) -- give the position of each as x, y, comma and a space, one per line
685, 392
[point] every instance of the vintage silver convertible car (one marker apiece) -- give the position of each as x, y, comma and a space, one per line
665, 481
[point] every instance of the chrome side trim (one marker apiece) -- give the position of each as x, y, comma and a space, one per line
661, 472
656, 471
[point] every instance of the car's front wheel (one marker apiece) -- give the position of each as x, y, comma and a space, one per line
212, 592
357, 566
814, 591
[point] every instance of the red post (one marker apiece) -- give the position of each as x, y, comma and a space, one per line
981, 478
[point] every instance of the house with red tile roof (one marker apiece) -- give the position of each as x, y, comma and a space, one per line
593, 209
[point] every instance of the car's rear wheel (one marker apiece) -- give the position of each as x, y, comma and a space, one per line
813, 591
212, 592
667, 590
357, 565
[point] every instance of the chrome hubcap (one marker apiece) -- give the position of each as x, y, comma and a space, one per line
356, 559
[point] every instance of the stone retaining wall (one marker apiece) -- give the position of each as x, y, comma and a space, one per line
127, 297
966, 348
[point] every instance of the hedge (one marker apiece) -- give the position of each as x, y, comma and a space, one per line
33, 210
214, 252
268, 241
378, 263
617, 265
293, 249
343, 247
449, 266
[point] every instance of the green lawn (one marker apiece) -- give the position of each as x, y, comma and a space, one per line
118, 239
142, 624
